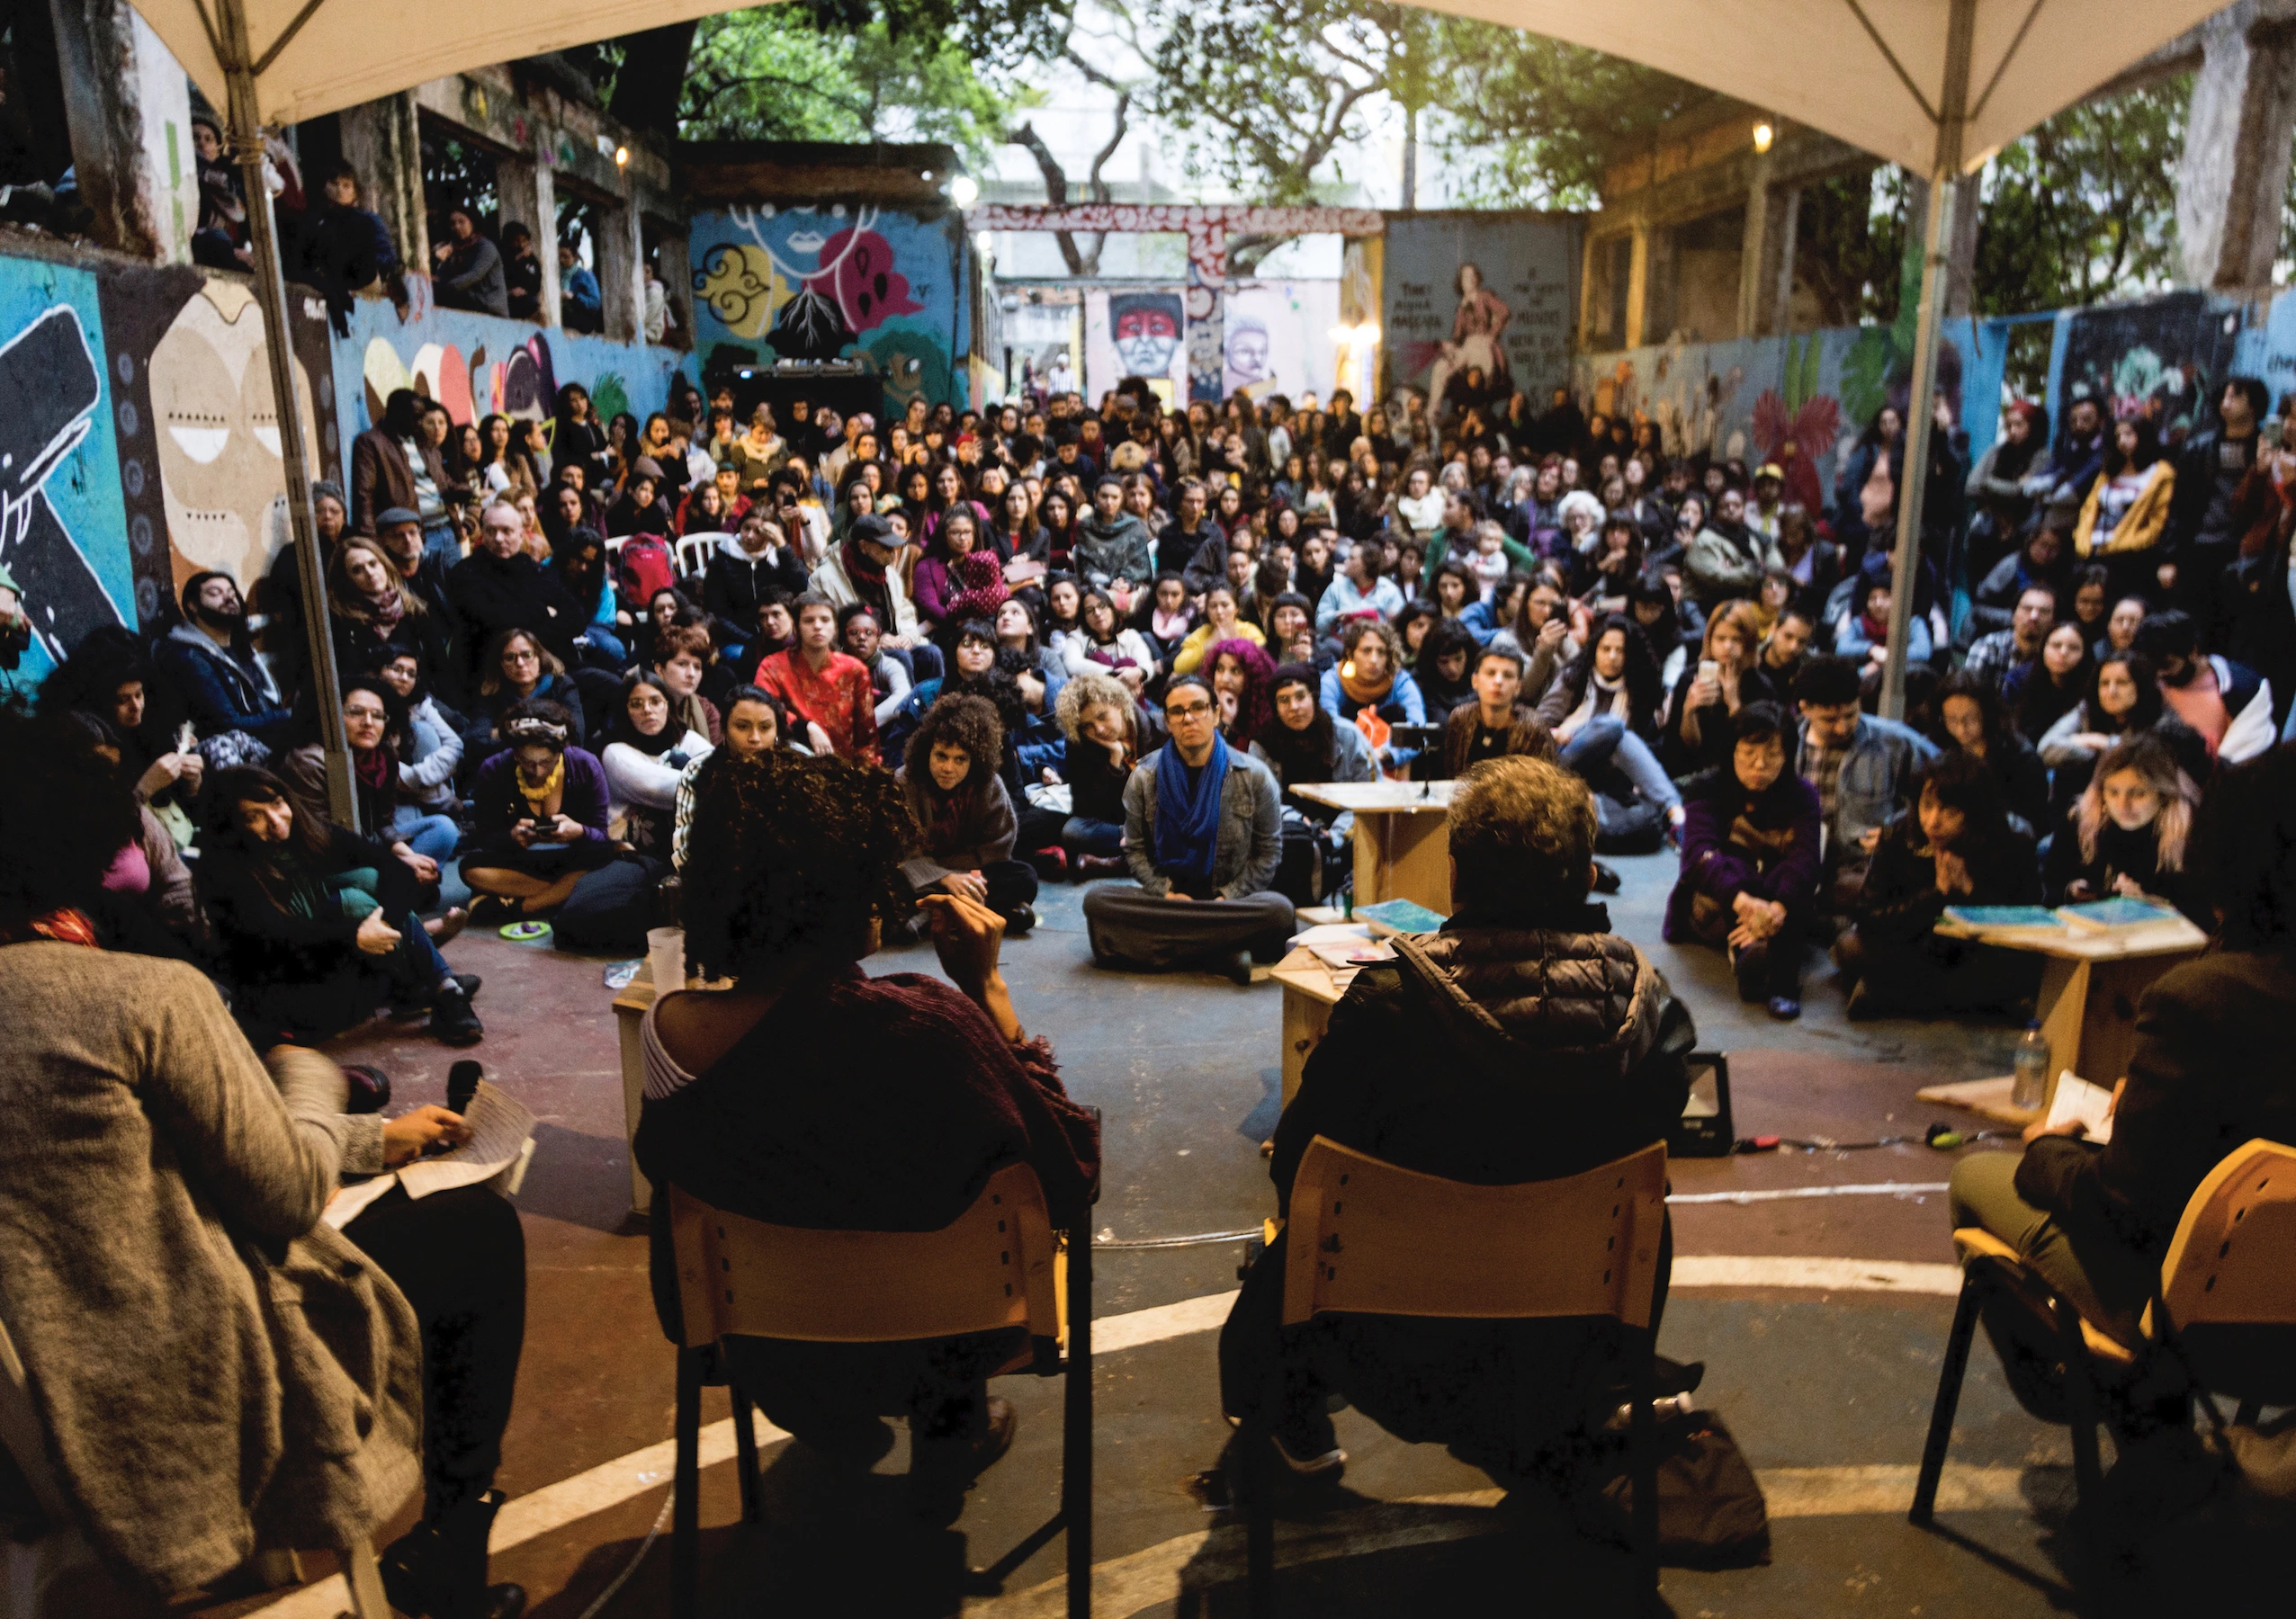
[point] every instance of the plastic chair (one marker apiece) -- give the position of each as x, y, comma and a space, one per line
2225, 1315
693, 551
999, 1265
1366, 1237
58, 1552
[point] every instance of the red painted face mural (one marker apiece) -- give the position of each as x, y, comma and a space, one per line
867, 289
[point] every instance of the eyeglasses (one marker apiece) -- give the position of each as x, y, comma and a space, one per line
1194, 712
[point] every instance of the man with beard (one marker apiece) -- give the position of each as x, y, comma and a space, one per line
212, 662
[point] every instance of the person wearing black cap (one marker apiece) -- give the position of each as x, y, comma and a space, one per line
211, 663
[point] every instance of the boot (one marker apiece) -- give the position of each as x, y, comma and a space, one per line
438, 1569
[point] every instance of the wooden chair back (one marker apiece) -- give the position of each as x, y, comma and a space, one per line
1366, 1235
2233, 1260
997, 1265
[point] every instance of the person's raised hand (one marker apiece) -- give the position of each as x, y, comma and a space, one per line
162, 775
376, 937
1551, 633
409, 1136
1706, 690
191, 769
967, 936
1952, 873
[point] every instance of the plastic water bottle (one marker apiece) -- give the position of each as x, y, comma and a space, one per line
2031, 1088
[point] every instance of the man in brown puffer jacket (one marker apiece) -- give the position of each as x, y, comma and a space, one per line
1524, 1042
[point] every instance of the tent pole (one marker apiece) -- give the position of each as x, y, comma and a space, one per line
1944, 182
271, 292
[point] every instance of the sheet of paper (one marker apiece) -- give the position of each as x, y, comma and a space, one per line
1348, 953
351, 1201
501, 1126
2090, 1105
1333, 933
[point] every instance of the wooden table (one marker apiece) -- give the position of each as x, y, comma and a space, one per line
2089, 988
1309, 996
1403, 838
630, 1011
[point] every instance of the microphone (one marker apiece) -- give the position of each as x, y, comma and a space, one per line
463, 1085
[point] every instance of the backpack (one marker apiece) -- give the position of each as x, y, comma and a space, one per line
1710, 1511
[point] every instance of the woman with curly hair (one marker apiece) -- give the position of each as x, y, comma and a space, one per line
963, 812
794, 868
2128, 832
1243, 680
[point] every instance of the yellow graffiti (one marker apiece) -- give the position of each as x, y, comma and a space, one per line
743, 290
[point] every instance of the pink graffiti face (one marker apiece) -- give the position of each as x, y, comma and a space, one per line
1134, 324
864, 283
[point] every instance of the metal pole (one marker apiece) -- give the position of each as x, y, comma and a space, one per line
1944, 182
271, 292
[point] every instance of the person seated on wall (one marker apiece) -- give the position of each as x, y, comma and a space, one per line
965, 816
1202, 834
1749, 862
541, 811
793, 871
209, 661
2129, 833
2209, 1070
193, 1206
317, 924
1957, 848
1565, 1049
518, 667
1304, 746
823, 686
648, 750
1865, 769
1104, 730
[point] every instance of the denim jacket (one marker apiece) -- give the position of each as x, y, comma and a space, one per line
1876, 779
1251, 828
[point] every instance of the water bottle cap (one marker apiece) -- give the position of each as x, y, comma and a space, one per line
2033, 1025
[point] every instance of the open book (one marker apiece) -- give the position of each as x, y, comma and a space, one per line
2078, 1101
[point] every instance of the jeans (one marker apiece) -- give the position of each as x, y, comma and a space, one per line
1085, 835
414, 964
607, 644
432, 835
1607, 740
441, 549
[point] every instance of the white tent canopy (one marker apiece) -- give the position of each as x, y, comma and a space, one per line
1871, 72
339, 53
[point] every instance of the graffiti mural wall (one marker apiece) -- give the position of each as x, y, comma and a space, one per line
835, 283
1492, 291
1276, 339
479, 365
143, 444
1135, 333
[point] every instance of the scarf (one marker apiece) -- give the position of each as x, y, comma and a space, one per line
670, 735
868, 582
1362, 691
1876, 631
65, 925
377, 770
537, 797
385, 611
1188, 821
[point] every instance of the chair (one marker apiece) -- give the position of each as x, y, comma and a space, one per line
58, 1554
2223, 1321
1368, 1237
693, 553
999, 1265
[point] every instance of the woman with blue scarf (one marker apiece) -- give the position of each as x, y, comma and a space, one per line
1203, 829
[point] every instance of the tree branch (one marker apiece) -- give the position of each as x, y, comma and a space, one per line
1055, 189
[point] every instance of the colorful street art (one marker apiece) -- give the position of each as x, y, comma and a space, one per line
2166, 358
1490, 290
62, 528
810, 283
481, 365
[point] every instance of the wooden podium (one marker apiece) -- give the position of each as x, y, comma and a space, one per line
1403, 838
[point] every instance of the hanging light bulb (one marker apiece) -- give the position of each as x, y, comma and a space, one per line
1763, 135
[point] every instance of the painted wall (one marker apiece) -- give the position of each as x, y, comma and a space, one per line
827, 282
1527, 266
1276, 338
479, 365
143, 444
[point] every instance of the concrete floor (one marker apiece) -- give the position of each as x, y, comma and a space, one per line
1184, 1067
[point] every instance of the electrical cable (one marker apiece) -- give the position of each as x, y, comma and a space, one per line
644, 1546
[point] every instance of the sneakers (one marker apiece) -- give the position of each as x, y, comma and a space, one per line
1019, 920
1086, 867
452, 1021
1606, 879
447, 926
1309, 1446
438, 1569
1236, 967
1785, 1009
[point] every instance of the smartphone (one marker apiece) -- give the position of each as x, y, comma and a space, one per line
1709, 669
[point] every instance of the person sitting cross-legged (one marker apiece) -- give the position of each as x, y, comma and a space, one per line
964, 812
543, 808
1749, 862
1203, 833
1561, 1048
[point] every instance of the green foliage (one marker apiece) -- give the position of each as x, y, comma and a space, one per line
1535, 121
2084, 207
1850, 246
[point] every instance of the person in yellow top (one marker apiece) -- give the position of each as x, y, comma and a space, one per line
1222, 621
2128, 508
